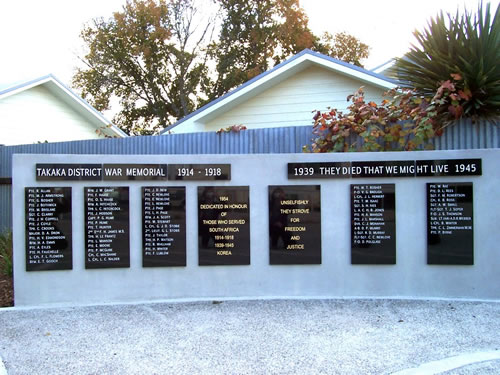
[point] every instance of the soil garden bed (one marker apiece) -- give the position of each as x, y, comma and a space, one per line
6, 291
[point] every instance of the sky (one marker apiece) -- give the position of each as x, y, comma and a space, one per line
41, 37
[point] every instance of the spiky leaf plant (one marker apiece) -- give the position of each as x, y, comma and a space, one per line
463, 48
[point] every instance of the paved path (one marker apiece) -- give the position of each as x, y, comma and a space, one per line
255, 337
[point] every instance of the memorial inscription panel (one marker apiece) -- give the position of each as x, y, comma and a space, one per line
385, 168
134, 172
107, 243
450, 238
68, 172
373, 224
393, 168
163, 226
319, 170
199, 172
449, 167
48, 228
223, 225
295, 224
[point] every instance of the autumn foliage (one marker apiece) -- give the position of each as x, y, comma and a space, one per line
404, 121
232, 129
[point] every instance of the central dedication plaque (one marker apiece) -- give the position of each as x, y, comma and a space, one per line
107, 227
295, 224
48, 228
163, 226
223, 225
373, 224
450, 238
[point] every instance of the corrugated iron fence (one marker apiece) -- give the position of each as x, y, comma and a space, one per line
463, 135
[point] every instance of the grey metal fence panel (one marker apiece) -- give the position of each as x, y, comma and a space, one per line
462, 135
6, 211
465, 134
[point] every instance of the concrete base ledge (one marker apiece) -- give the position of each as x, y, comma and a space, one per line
216, 300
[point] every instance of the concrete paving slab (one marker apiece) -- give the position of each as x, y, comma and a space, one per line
462, 361
249, 337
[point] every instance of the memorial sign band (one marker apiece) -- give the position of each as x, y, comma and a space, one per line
134, 172
128, 172
200, 172
390, 168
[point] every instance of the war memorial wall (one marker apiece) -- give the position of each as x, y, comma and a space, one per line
114, 228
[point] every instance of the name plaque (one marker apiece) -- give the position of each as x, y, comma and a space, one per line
386, 168
223, 225
197, 172
163, 226
107, 227
48, 228
450, 231
373, 224
295, 224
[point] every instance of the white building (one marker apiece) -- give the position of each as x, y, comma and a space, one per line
45, 109
287, 95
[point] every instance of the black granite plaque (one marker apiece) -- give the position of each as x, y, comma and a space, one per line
107, 227
163, 226
194, 172
68, 172
385, 168
120, 172
373, 224
319, 170
223, 225
295, 224
450, 235
452, 167
48, 228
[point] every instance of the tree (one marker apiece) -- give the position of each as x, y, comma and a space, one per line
462, 51
255, 35
343, 46
149, 57
161, 60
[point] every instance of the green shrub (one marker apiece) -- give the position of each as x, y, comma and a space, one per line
6, 253
464, 47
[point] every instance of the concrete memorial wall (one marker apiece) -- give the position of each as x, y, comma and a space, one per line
129, 228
